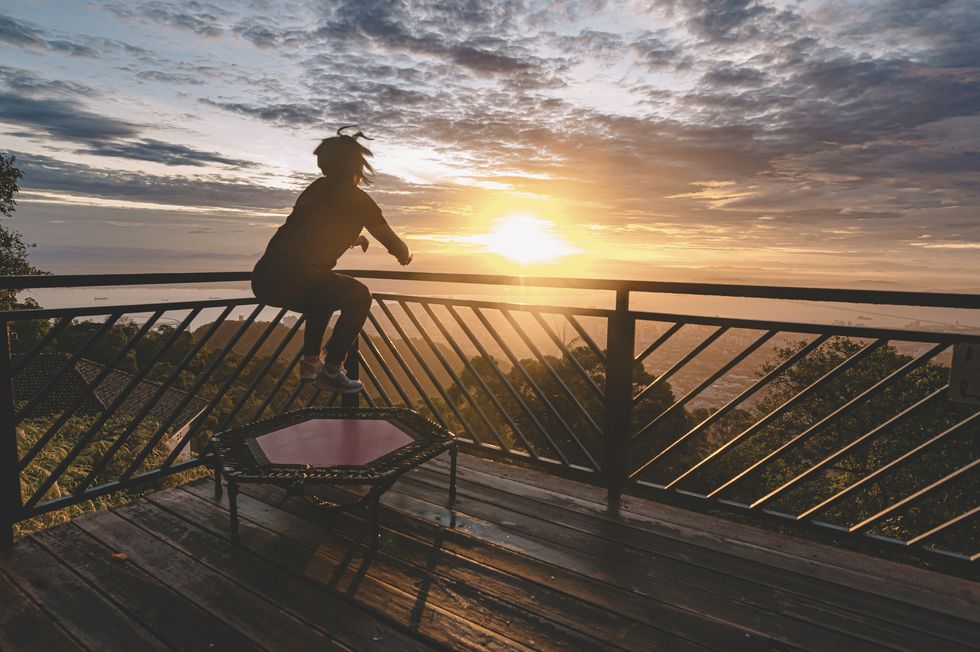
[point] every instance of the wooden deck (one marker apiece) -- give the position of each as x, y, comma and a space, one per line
533, 562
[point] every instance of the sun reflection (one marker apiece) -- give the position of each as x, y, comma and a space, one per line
524, 239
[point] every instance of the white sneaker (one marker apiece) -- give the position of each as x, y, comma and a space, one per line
338, 382
309, 370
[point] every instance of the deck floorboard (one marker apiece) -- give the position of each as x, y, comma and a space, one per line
525, 561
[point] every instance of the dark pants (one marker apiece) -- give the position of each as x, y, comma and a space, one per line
316, 293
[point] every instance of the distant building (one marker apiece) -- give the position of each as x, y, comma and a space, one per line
78, 380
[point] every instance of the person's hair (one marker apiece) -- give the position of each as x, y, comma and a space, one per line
342, 157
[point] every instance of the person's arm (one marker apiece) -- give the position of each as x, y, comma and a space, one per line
395, 246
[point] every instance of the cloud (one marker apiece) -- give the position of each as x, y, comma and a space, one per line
57, 114
62, 119
161, 152
298, 114
201, 18
44, 173
30, 36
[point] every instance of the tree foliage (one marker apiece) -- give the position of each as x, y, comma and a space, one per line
13, 250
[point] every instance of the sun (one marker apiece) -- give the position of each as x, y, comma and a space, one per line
524, 239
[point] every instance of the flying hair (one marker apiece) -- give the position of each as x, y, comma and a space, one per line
341, 156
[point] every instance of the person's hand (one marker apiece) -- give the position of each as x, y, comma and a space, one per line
406, 260
361, 240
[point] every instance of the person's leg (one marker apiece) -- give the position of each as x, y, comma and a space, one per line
354, 301
313, 330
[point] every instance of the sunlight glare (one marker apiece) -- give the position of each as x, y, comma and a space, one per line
524, 239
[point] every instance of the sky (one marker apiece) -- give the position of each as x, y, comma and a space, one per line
832, 143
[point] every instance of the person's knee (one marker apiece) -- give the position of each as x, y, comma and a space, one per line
362, 297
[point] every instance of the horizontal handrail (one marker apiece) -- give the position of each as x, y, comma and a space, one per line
878, 297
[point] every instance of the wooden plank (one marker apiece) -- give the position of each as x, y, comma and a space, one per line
330, 613
258, 619
25, 626
155, 605
272, 534
75, 604
901, 623
752, 608
565, 573
943, 593
544, 602
465, 601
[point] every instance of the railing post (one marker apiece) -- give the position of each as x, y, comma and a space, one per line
618, 409
10, 498
352, 367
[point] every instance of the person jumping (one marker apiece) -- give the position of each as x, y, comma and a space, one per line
295, 272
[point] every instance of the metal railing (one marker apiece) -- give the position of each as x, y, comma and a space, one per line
834, 426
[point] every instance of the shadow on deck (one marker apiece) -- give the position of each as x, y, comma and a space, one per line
534, 561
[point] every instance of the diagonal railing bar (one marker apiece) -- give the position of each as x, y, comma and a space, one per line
86, 391
867, 438
554, 375
677, 366
111, 487
856, 443
134, 382
287, 373
246, 359
396, 354
383, 364
919, 495
589, 382
428, 371
586, 338
785, 407
53, 478
707, 382
292, 397
432, 377
863, 396
901, 460
735, 402
64, 369
202, 379
666, 335
514, 360
382, 394
371, 382
510, 388
21, 361
454, 376
315, 394
270, 360
856, 332
504, 413
123, 309
493, 305
962, 519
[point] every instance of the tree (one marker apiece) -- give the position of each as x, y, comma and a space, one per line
13, 250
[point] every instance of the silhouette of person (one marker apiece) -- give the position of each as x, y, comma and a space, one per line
295, 270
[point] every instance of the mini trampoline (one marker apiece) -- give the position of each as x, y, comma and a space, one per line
317, 447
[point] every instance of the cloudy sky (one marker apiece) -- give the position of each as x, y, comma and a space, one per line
816, 142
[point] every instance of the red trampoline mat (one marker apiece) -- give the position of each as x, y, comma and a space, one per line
333, 442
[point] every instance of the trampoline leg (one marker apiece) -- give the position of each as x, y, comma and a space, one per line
452, 476
233, 509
